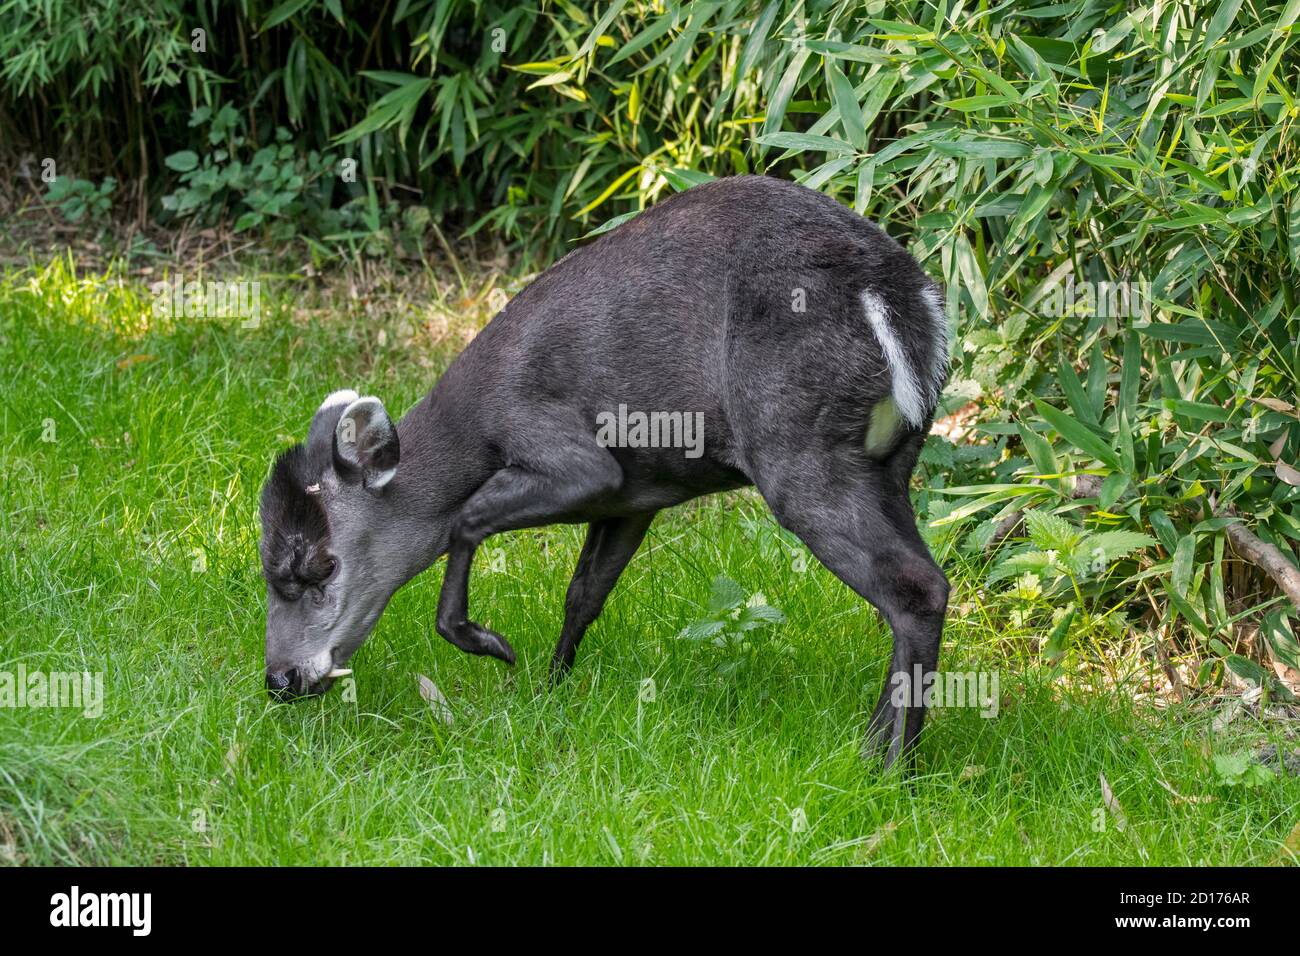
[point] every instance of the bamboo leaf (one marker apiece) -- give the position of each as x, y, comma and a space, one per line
1078, 434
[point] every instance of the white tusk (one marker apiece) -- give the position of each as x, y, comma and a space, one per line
339, 672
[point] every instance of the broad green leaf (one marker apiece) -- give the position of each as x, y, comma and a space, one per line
981, 147
1222, 19
1111, 489
804, 141
1075, 394
647, 36
1078, 434
182, 162
615, 6
1050, 532
757, 37
966, 104
1055, 645
702, 630
613, 223
978, 505
1247, 669
1276, 628
1113, 545
725, 594
1293, 226
1030, 562
1181, 576
1288, 16
780, 97
683, 179
846, 101
283, 12
1039, 449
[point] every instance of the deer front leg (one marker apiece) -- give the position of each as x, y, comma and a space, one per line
610, 544
513, 498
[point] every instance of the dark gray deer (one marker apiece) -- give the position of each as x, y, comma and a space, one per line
812, 345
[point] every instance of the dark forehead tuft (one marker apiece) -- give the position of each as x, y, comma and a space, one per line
285, 498
293, 520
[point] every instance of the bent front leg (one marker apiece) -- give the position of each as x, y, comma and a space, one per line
514, 498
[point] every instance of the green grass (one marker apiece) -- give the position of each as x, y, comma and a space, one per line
128, 546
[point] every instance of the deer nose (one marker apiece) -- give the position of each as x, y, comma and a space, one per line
282, 684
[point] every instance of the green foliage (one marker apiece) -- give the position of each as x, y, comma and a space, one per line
274, 186
1108, 194
739, 625
1240, 770
79, 199
1067, 553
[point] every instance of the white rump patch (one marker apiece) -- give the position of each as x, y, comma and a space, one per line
913, 398
908, 397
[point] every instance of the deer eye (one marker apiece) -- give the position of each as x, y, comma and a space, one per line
318, 592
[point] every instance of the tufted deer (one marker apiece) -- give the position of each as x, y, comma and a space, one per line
809, 346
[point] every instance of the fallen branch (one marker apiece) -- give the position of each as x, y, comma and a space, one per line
1008, 526
1267, 557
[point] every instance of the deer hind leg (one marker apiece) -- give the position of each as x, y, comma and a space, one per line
853, 513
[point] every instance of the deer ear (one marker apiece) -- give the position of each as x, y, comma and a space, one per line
320, 437
366, 449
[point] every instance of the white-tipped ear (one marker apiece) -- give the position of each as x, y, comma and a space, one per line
321, 434
366, 448
344, 397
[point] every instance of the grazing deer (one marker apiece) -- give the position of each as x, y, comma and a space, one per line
808, 344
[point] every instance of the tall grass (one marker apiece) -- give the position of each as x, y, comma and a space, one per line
1022, 151
134, 447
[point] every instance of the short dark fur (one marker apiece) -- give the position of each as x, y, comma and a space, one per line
687, 307
295, 531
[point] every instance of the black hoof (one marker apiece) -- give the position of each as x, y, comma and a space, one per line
885, 733
475, 639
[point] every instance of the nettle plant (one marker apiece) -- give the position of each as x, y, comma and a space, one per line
740, 625
289, 192
278, 187
78, 199
1241, 770
1060, 568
